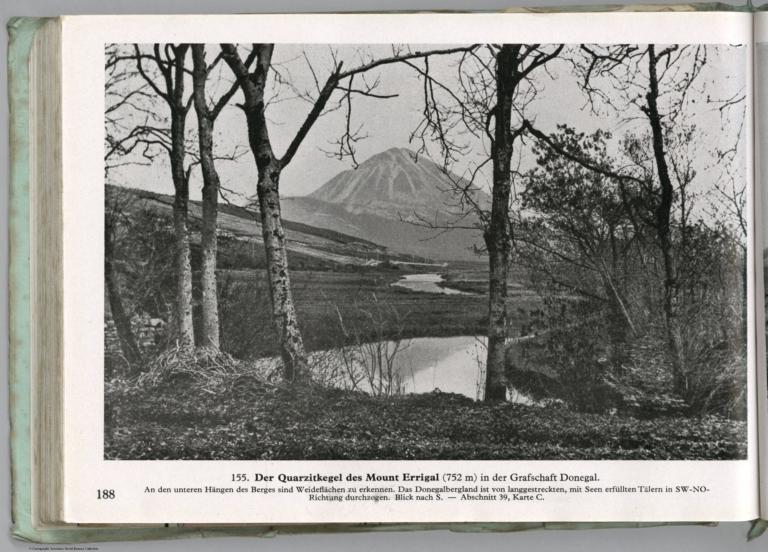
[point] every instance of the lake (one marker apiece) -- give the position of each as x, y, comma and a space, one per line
423, 364
450, 364
426, 364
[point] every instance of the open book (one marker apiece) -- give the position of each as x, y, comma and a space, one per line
300, 270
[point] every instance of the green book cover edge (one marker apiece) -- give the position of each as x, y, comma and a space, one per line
21, 31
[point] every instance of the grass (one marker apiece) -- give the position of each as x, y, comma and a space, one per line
322, 296
236, 412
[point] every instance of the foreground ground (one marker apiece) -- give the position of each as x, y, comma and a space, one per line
237, 414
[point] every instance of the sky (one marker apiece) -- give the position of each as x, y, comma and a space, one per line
389, 122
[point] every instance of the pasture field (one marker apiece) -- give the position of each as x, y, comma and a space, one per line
330, 303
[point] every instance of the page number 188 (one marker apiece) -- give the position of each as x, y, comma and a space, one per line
105, 494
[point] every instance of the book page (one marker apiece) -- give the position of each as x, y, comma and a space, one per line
409, 268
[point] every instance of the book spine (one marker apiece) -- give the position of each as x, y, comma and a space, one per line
21, 32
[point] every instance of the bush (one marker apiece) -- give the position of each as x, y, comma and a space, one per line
245, 311
568, 361
572, 358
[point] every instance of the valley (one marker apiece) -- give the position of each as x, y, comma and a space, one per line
361, 272
386, 311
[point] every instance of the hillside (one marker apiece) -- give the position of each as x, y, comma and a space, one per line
239, 231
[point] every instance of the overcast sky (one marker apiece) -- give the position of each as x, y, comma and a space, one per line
389, 122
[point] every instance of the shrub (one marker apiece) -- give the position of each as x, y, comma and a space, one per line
245, 316
567, 361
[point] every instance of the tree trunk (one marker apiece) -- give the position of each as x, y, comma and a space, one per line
185, 334
663, 216
295, 368
618, 328
498, 260
210, 301
171, 67
743, 295
498, 235
128, 345
672, 320
208, 241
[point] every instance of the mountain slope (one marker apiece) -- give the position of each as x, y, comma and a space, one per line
391, 182
382, 199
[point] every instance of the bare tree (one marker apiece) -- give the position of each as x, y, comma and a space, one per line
113, 212
167, 82
206, 118
514, 63
664, 214
657, 84
123, 104
129, 112
253, 84
731, 189
489, 103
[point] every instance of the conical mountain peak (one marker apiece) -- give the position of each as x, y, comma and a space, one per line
395, 182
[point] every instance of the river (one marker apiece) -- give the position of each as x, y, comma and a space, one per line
427, 283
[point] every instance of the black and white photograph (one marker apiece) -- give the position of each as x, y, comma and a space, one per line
425, 251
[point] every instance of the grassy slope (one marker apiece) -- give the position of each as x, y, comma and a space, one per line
308, 246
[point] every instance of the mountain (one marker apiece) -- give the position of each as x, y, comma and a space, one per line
392, 184
386, 199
